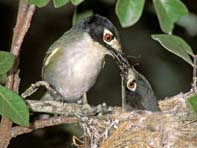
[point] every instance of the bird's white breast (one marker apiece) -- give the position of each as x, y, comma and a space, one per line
77, 68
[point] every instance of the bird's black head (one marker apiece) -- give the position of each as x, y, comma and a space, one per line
102, 31
139, 93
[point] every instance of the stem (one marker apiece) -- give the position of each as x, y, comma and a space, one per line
194, 74
25, 13
20, 17
123, 93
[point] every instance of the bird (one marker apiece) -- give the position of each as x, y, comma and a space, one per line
138, 92
73, 62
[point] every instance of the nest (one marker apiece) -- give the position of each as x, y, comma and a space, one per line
174, 127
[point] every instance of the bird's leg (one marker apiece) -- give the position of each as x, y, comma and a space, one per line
123, 93
85, 100
86, 107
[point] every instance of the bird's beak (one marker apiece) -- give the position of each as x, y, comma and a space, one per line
120, 57
121, 60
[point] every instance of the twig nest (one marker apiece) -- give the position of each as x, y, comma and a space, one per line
174, 127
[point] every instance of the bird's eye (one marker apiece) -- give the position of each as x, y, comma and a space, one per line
131, 85
108, 37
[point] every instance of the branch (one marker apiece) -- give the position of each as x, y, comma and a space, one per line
24, 17
66, 109
25, 13
34, 87
19, 130
54, 107
22, 10
175, 123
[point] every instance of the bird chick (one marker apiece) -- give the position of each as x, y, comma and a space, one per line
138, 92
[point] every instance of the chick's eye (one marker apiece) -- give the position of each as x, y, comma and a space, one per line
131, 85
108, 37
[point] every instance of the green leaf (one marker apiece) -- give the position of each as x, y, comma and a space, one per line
129, 11
77, 17
193, 104
3, 78
168, 12
39, 3
13, 107
59, 3
76, 2
175, 45
6, 61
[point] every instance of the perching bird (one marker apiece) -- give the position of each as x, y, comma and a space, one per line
74, 61
138, 92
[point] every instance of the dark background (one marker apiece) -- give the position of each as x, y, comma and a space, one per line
167, 73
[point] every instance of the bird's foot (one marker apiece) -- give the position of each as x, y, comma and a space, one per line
87, 109
96, 110
102, 109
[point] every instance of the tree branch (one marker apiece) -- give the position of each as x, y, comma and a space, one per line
19, 130
54, 107
22, 10
24, 17
66, 109
25, 13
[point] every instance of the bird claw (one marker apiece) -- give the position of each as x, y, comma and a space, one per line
102, 109
87, 110
98, 110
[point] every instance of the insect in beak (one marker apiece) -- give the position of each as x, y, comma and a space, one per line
122, 61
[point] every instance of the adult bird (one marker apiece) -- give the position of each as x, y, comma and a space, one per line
73, 62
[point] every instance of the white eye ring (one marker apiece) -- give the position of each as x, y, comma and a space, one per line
131, 85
